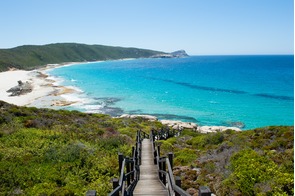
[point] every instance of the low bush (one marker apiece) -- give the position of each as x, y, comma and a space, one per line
185, 156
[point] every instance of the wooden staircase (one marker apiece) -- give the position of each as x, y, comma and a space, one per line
149, 183
147, 173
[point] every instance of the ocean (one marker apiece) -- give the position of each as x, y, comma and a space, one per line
243, 91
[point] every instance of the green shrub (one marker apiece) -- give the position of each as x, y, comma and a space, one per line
185, 156
214, 138
198, 142
189, 132
252, 173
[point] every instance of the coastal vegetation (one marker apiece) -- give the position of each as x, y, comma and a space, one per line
253, 162
29, 57
58, 152
48, 152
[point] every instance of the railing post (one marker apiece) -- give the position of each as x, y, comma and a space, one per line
139, 135
160, 168
155, 157
128, 169
178, 183
164, 170
133, 153
115, 185
120, 158
132, 169
135, 156
170, 157
139, 153
137, 172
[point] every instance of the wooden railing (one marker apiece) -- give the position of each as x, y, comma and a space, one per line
165, 167
129, 169
163, 134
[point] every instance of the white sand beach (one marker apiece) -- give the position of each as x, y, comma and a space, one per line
9, 79
44, 93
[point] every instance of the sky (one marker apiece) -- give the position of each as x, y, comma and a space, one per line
201, 27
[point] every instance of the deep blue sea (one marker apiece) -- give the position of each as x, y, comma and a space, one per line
255, 91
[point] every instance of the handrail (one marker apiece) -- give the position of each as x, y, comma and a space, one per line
162, 163
173, 184
121, 182
129, 169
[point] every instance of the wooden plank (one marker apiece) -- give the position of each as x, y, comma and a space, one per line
148, 183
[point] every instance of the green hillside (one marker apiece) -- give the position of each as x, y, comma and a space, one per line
57, 152
48, 152
30, 56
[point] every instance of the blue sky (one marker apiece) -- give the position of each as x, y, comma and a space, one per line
201, 27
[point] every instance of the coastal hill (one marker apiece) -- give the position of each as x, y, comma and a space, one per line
32, 56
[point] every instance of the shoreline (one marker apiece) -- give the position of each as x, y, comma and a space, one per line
45, 87
47, 93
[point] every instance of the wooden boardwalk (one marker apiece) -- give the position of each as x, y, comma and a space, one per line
149, 183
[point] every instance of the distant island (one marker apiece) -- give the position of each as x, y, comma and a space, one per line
30, 57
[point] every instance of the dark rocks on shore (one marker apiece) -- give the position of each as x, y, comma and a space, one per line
21, 89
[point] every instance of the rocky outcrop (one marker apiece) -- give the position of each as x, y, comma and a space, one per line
179, 54
179, 125
176, 54
21, 89
214, 129
148, 117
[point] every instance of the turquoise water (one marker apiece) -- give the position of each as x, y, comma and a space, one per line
254, 91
